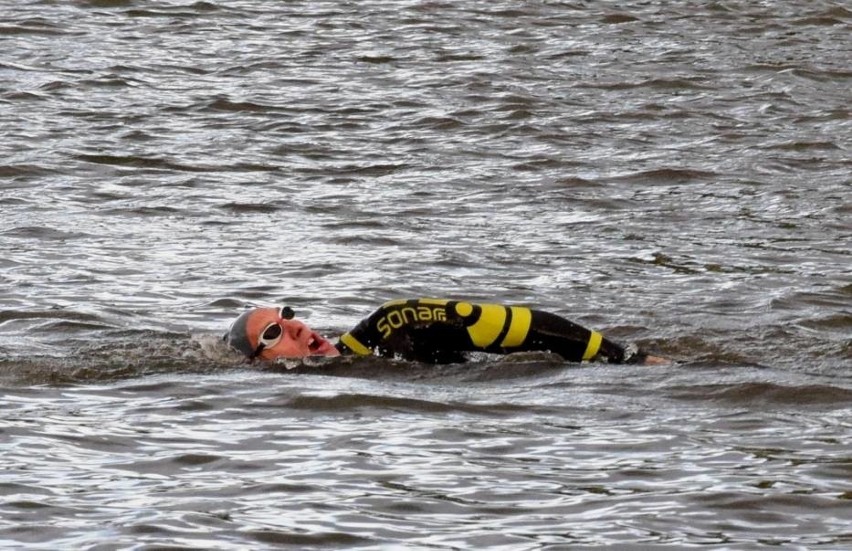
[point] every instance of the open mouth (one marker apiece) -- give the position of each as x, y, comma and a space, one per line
315, 342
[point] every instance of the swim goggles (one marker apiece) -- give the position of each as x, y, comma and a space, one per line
271, 334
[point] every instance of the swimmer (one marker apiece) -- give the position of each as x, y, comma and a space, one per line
432, 331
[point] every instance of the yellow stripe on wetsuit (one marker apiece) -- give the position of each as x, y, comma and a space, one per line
521, 321
593, 346
355, 345
495, 320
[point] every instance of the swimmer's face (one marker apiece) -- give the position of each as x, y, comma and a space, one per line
284, 338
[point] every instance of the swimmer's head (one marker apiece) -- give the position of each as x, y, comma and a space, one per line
271, 333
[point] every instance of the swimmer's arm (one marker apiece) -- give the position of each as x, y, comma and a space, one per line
576, 343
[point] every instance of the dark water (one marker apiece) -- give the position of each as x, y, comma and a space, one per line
676, 174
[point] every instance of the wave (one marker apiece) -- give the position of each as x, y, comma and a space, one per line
767, 393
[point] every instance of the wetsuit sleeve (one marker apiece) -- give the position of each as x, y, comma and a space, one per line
438, 330
574, 342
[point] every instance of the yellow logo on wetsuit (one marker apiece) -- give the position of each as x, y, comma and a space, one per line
408, 314
491, 321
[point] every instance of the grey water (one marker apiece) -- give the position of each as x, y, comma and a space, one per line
675, 174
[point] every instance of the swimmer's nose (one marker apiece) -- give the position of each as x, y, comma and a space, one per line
295, 329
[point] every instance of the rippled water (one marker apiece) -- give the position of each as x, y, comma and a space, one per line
672, 174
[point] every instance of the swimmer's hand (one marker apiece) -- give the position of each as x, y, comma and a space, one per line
635, 355
656, 360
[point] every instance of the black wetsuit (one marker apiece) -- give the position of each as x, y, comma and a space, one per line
440, 331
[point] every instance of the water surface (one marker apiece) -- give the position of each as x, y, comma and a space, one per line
675, 175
